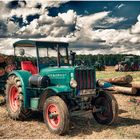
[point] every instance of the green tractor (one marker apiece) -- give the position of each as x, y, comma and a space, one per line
56, 87
128, 64
99, 66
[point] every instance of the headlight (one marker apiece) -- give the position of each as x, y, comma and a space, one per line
73, 83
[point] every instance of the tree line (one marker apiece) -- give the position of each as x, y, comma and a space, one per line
90, 60
106, 59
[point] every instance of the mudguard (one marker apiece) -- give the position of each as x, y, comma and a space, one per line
24, 77
53, 90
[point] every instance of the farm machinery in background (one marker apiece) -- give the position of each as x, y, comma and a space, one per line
99, 66
56, 87
128, 64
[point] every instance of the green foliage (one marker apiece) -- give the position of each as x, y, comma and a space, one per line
107, 59
88, 60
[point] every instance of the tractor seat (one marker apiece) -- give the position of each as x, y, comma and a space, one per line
29, 66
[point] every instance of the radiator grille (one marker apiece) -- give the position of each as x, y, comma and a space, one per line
85, 78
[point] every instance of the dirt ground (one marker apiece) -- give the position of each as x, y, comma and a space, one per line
127, 125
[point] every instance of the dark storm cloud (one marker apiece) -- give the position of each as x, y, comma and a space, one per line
3, 29
15, 4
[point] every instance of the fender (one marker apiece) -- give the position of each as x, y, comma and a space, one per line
52, 91
24, 77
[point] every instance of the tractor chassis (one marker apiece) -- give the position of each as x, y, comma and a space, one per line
84, 112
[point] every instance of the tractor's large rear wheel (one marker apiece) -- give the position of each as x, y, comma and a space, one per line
107, 107
56, 115
14, 99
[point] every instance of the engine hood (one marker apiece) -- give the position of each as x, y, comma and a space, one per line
59, 75
55, 70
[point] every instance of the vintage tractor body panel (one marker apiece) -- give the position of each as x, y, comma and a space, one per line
58, 76
60, 89
24, 78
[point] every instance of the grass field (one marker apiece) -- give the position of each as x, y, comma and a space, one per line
110, 72
81, 127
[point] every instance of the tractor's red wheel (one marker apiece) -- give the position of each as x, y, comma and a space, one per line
14, 99
53, 116
108, 108
56, 115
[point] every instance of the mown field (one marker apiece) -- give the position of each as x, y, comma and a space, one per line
81, 127
111, 73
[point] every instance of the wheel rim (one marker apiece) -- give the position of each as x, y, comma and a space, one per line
13, 98
52, 115
105, 112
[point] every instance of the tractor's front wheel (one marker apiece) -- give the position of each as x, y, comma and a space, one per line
107, 108
14, 99
56, 115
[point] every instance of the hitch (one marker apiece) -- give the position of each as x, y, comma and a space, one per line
101, 109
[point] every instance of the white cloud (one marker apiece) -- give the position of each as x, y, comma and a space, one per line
113, 20
69, 18
120, 6
136, 27
89, 20
70, 27
12, 27
44, 3
50, 26
3, 10
24, 12
27, 9
29, 29
113, 40
85, 26
6, 45
135, 39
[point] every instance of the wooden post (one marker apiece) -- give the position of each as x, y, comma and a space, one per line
118, 89
125, 90
135, 85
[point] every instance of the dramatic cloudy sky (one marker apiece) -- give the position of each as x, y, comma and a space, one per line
91, 27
